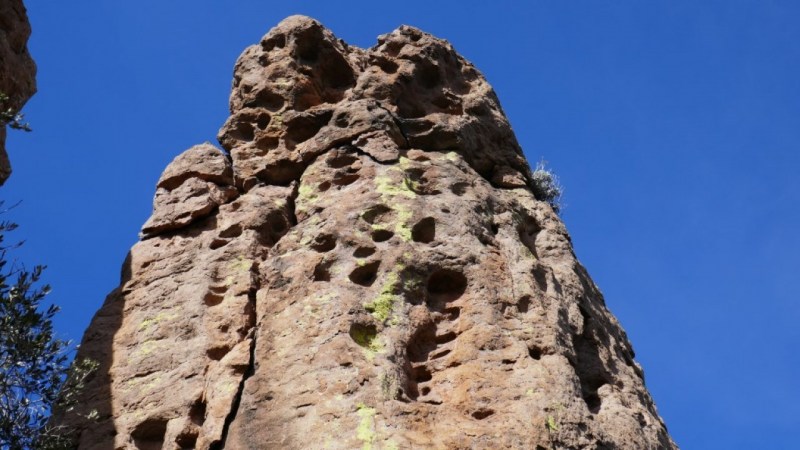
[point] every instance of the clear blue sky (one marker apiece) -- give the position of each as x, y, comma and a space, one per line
674, 125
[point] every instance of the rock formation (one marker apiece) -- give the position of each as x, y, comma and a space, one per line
363, 266
17, 69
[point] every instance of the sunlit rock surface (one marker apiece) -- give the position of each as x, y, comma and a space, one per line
364, 265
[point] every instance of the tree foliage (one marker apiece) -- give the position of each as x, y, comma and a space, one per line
35, 371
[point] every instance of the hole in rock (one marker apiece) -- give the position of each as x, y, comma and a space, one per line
244, 132
309, 45
274, 227
459, 188
217, 353
593, 402
422, 374
424, 231
231, 232
451, 313
149, 435
363, 252
589, 365
213, 298
324, 186
324, 243
381, 235
376, 213
428, 74
275, 41
322, 271
408, 108
448, 105
482, 413
342, 120
197, 413
418, 181
187, 439
263, 121
266, 143
305, 126
365, 275
528, 230
524, 304
386, 65
447, 284
365, 335
535, 352
215, 244
540, 276
445, 338
425, 391
439, 353
339, 159
421, 343
343, 179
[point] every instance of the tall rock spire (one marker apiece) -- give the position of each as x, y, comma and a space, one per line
365, 265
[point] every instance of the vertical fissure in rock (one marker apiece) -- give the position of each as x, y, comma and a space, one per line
398, 122
237, 399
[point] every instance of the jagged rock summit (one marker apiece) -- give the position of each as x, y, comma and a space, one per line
364, 265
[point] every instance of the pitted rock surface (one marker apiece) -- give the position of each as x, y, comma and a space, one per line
17, 69
364, 266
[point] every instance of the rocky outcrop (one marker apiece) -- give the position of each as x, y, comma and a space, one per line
17, 69
363, 266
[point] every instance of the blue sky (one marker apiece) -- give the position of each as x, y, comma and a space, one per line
674, 126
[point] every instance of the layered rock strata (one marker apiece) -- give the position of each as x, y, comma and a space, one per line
364, 265
17, 69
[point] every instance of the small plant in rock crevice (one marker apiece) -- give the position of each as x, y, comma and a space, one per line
546, 186
10, 116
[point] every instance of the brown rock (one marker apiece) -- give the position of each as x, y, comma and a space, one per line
370, 283
17, 71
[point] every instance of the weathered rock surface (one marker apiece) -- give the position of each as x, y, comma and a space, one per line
17, 69
365, 266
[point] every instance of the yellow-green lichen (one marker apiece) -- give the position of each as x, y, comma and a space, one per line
147, 347
305, 193
366, 336
366, 427
551, 423
276, 122
382, 306
389, 385
147, 323
452, 156
388, 189
242, 264
402, 228
526, 252
529, 392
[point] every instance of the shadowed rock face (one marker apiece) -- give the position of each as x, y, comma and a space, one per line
17, 69
364, 266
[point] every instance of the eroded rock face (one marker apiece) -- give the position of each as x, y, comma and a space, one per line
17, 69
364, 266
